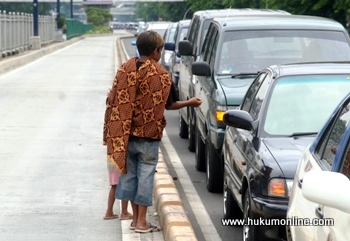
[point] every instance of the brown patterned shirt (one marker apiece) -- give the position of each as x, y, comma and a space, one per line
135, 107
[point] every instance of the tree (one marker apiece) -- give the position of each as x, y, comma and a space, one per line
98, 17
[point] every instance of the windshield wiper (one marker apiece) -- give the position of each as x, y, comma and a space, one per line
244, 74
303, 134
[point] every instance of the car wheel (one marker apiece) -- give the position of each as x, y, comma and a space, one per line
191, 134
231, 208
249, 231
200, 152
182, 127
289, 235
214, 174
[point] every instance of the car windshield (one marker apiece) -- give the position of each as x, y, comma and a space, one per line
302, 104
251, 51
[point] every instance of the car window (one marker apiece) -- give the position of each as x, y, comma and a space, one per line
193, 30
212, 57
302, 104
346, 163
250, 95
171, 35
251, 51
258, 100
333, 139
208, 45
183, 33
203, 32
205, 47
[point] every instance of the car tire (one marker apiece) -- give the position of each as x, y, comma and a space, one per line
214, 179
200, 152
191, 134
182, 127
249, 231
289, 235
231, 208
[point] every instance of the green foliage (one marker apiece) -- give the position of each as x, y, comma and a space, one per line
61, 22
338, 10
98, 16
166, 11
25, 7
99, 30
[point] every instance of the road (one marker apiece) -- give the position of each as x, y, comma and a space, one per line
53, 175
205, 209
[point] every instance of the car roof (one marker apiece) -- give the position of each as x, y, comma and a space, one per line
262, 22
185, 22
211, 13
158, 25
310, 68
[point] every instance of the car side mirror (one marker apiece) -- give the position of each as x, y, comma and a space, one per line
327, 188
169, 46
201, 68
240, 119
185, 48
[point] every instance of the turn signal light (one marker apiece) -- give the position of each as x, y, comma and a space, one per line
277, 188
220, 115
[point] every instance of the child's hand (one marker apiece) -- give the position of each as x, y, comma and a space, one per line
195, 102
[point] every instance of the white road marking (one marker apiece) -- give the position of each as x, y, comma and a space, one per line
206, 225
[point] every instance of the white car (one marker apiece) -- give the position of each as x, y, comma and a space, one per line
319, 206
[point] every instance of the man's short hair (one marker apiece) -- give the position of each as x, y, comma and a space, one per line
148, 41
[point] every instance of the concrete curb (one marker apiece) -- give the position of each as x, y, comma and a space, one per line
173, 219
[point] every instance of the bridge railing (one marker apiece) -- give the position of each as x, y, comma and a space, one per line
16, 31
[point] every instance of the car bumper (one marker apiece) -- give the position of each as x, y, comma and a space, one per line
265, 209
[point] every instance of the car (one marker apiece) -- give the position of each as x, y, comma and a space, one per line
235, 49
141, 27
319, 193
282, 112
174, 62
158, 26
168, 37
195, 37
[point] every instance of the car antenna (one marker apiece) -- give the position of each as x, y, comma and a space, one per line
226, 17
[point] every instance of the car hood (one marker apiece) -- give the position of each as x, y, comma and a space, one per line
234, 88
287, 152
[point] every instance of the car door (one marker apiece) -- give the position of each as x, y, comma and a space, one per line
240, 142
204, 86
326, 157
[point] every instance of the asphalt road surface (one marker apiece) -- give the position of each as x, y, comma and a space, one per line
53, 169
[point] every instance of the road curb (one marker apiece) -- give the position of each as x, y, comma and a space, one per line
172, 215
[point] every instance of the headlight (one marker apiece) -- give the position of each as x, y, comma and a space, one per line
279, 187
167, 56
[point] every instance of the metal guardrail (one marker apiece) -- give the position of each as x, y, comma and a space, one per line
76, 28
16, 30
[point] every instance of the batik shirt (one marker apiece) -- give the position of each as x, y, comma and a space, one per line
135, 107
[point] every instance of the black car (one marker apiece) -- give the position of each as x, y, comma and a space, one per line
281, 114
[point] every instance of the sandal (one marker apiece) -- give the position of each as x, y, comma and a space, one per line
152, 228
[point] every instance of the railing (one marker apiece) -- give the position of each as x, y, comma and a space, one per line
16, 30
76, 28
